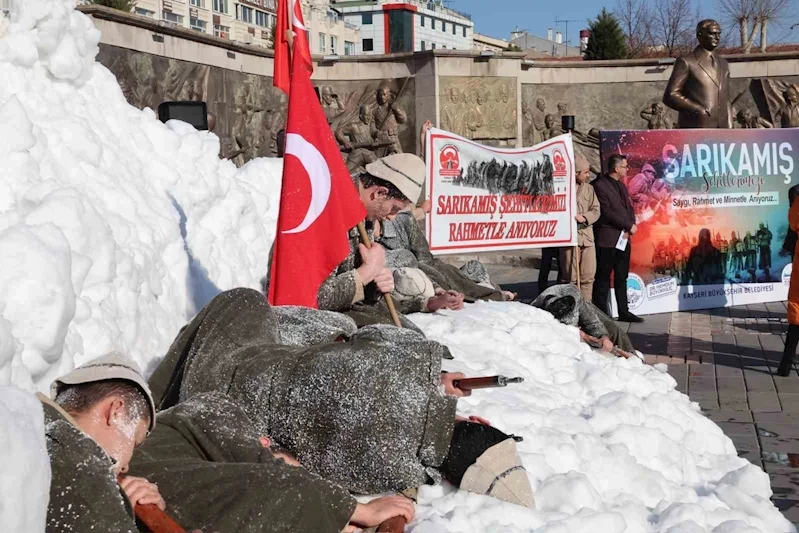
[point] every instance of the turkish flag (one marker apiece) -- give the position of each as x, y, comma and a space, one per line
318, 201
289, 9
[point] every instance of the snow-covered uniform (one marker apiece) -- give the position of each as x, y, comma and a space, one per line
368, 414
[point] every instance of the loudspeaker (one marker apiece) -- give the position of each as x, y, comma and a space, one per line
195, 113
567, 122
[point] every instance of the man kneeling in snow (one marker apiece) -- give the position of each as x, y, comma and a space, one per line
219, 474
101, 412
569, 307
356, 286
369, 414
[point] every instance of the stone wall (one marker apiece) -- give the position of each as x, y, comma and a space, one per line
495, 100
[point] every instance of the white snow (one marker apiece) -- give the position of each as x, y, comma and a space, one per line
609, 444
25, 467
115, 229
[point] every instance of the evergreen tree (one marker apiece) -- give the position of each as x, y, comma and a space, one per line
607, 38
122, 5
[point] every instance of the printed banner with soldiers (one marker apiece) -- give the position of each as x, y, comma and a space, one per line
711, 208
486, 198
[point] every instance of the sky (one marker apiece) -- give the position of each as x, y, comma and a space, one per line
498, 18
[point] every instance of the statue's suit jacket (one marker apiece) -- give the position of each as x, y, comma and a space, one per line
697, 84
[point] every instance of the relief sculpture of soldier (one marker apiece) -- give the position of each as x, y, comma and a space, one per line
331, 104
356, 138
386, 115
789, 113
699, 86
452, 113
656, 117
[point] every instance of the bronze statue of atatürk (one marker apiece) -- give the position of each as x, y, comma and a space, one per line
699, 87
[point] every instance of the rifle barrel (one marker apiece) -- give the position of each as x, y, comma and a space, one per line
487, 382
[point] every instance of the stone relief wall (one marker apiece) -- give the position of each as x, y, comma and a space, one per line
614, 106
249, 110
483, 109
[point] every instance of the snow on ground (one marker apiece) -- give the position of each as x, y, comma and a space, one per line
115, 229
609, 444
24, 468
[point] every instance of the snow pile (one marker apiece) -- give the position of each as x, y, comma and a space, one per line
114, 228
25, 468
609, 444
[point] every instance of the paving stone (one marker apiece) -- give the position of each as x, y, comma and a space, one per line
780, 444
786, 385
730, 384
764, 401
724, 370
758, 381
701, 384
776, 418
738, 429
731, 416
789, 401
734, 404
789, 508
701, 370
772, 429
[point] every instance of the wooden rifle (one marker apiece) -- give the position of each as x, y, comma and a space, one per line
155, 519
369, 144
593, 342
397, 524
488, 382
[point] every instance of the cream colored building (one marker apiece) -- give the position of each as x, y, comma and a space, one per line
251, 21
484, 42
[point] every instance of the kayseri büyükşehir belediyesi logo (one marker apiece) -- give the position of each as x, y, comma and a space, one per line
635, 291
786, 274
449, 160
558, 164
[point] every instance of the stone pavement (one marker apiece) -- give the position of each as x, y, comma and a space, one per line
726, 361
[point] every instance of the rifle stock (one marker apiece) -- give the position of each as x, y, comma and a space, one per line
593, 342
155, 519
487, 382
393, 525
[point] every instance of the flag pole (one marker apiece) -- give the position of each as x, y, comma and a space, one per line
576, 256
389, 302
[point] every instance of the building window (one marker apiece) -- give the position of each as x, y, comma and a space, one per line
464, 31
400, 31
308, 38
366, 18
349, 48
433, 23
220, 6
222, 31
424, 46
261, 19
138, 11
368, 45
322, 42
433, 46
198, 3
422, 21
454, 28
333, 44
246, 14
173, 18
444, 26
197, 24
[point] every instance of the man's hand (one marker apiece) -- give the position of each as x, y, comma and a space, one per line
374, 262
141, 492
385, 281
607, 344
426, 206
581, 219
633, 229
347, 146
473, 418
379, 510
451, 390
445, 300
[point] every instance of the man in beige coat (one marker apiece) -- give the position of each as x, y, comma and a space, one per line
584, 255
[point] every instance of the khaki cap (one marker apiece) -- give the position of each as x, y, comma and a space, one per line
405, 171
498, 472
580, 162
110, 366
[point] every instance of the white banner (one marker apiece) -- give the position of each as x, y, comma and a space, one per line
488, 199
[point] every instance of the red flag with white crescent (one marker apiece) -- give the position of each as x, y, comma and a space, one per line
318, 200
289, 14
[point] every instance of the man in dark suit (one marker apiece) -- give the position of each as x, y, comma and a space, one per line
616, 217
699, 86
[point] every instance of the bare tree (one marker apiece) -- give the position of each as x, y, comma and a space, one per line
635, 19
769, 11
674, 24
761, 13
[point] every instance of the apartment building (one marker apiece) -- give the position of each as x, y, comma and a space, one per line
387, 26
251, 21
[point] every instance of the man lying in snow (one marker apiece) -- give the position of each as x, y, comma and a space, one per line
368, 414
569, 307
407, 247
219, 474
356, 287
101, 411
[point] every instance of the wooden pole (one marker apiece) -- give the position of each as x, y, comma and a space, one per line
389, 302
576, 257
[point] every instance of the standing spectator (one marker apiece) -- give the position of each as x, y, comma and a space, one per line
617, 219
547, 256
792, 339
582, 258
